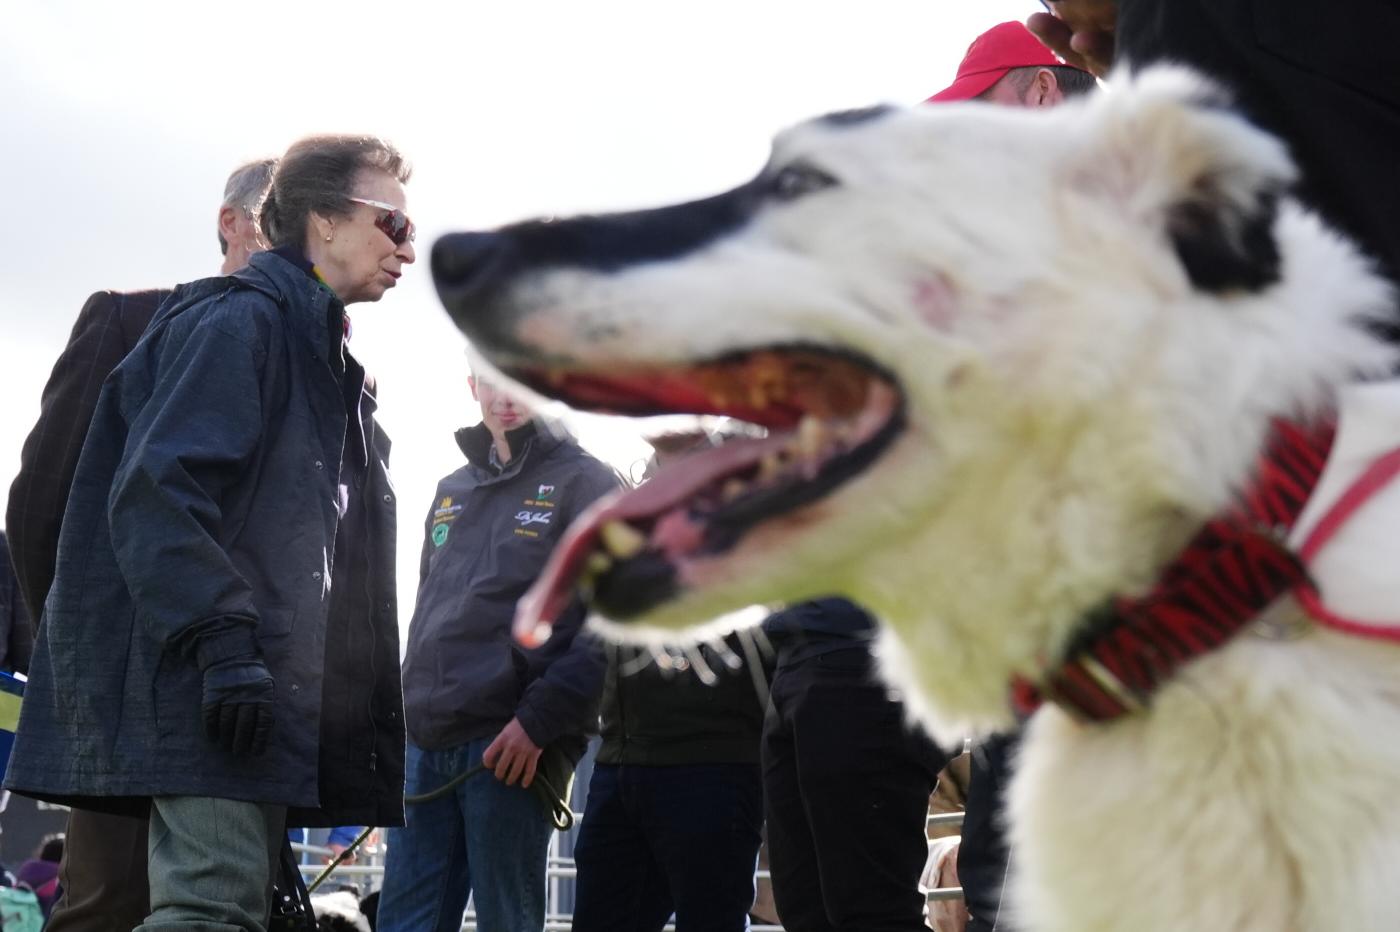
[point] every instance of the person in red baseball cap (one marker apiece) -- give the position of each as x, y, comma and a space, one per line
1008, 65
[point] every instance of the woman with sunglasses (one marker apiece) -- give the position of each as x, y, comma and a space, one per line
221, 641
347, 229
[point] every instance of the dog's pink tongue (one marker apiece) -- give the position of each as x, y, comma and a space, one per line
659, 502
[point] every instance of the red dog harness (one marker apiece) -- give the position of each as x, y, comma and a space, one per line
1237, 566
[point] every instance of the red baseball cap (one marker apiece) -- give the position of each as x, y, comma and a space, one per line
991, 55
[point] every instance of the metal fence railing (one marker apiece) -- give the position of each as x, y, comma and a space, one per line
368, 870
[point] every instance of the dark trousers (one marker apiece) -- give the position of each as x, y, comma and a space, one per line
983, 855
103, 874
847, 785
662, 839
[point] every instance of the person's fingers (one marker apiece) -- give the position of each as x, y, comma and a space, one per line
1053, 32
228, 723
1096, 49
493, 751
1087, 15
262, 731
211, 722
517, 765
528, 772
1056, 35
243, 726
1084, 43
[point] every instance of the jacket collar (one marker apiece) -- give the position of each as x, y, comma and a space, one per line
313, 309
530, 440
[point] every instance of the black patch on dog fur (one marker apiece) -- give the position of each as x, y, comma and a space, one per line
469, 269
856, 116
603, 242
1223, 248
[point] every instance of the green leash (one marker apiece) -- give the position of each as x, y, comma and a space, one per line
559, 812
339, 859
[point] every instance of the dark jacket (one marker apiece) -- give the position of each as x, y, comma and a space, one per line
107, 328
206, 502
810, 629
487, 537
16, 640
1323, 76
655, 717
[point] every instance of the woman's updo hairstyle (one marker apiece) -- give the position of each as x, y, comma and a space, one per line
318, 174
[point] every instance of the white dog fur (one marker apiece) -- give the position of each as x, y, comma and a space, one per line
339, 912
1077, 408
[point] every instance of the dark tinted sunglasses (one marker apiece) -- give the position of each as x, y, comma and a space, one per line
393, 223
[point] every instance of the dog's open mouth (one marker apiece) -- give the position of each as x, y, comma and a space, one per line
829, 415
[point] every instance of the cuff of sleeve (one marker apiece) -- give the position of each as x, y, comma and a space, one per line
344, 834
534, 728
233, 641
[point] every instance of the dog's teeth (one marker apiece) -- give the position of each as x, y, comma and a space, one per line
758, 396
621, 539
769, 466
732, 489
811, 435
598, 563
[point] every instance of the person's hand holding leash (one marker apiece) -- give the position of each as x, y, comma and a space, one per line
512, 756
336, 850
238, 699
1079, 31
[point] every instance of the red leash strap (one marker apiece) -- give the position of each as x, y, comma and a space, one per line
1376, 477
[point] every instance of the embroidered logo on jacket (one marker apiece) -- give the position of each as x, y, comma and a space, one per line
443, 517
537, 510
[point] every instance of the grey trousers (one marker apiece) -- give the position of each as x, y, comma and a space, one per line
212, 863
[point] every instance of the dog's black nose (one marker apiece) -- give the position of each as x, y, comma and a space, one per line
459, 258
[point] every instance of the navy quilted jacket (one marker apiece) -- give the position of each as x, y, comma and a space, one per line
208, 494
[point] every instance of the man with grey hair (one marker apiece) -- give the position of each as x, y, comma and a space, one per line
103, 873
239, 236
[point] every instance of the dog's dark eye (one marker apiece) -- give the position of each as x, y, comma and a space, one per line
794, 181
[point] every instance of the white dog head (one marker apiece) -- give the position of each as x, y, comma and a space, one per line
1008, 360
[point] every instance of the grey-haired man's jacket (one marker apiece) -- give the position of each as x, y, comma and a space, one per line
223, 458
488, 535
107, 328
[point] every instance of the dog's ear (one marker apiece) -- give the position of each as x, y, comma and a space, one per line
1171, 145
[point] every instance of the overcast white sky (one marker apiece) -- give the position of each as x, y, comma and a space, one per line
121, 121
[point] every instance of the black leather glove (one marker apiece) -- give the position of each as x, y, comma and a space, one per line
238, 698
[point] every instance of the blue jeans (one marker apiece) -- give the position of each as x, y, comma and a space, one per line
484, 838
657, 840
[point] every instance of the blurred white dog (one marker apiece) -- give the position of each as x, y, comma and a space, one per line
339, 912
1018, 371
